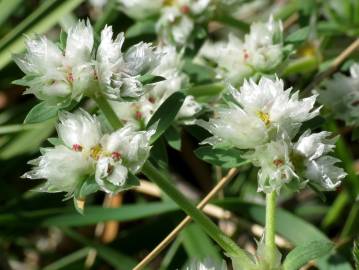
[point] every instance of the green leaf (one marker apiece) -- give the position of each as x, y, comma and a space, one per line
41, 112
149, 78
63, 40
197, 244
28, 141
94, 215
302, 254
230, 158
173, 137
298, 36
69, 259
233, 22
113, 257
141, 28
165, 114
86, 188
15, 44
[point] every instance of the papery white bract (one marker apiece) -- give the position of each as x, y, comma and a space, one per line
319, 167
87, 153
207, 264
276, 168
261, 51
341, 95
261, 112
140, 112
57, 76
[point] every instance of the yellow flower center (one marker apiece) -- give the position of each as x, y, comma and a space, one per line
264, 117
96, 152
169, 2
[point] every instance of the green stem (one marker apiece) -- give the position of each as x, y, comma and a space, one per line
154, 175
107, 110
270, 248
210, 228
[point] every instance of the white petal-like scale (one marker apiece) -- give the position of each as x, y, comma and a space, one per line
110, 175
79, 128
62, 167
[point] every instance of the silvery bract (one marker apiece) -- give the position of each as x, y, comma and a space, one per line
282, 162
56, 75
341, 96
177, 18
140, 112
85, 151
261, 51
207, 264
263, 119
260, 112
60, 75
317, 166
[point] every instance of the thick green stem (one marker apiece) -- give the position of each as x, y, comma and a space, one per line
270, 248
154, 175
107, 110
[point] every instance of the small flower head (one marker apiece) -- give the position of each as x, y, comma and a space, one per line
341, 96
54, 75
319, 167
260, 112
169, 67
88, 154
276, 168
261, 51
60, 75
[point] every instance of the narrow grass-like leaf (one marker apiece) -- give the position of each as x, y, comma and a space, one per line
116, 259
39, 27
93, 215
69, 259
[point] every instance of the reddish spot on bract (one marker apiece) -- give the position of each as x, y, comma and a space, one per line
77, 148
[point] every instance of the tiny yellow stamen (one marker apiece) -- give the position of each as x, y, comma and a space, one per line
169, 2
96, 152
264, 117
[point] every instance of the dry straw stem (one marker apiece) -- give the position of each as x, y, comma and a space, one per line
210, 209
334, 65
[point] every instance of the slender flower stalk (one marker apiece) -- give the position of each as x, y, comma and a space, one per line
269, 235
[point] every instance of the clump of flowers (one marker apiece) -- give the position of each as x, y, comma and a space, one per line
139, 112
207, 264
341, 95
261, 51
86, 156
60, 74
178, 19
262, 120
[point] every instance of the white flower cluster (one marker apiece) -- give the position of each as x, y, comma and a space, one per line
140, 111
341, 96
177, 17
260, 52
207, 264
59, 75
85, 153
263, 120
